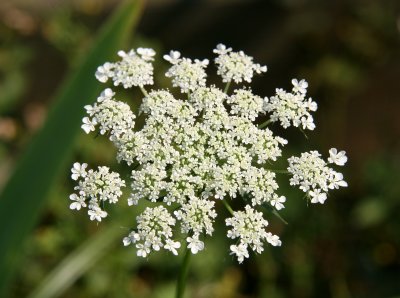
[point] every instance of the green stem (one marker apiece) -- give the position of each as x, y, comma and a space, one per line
227, 87
228, 206
304, 133
180, 288
144, 91
262, 125
275, 212
279, 216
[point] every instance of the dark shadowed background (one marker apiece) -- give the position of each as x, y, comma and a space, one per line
348, 51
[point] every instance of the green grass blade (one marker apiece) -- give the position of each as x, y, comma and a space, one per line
78, 262
25, 193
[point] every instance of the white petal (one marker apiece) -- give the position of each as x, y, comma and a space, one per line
75, 205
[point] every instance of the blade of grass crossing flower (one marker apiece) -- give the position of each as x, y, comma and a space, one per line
26, 191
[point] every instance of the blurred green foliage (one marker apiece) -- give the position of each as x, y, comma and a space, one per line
13, 59
35, 172
348, 51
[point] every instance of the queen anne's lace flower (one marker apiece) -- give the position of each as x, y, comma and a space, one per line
208, 100
244, 103
78, 202
299, 86
146, 54
196, 216
134, 69
159, 103
194, 244
94, 188
249, 226
261, 184
153, 232
292, 108
89, 124
193, 151
114, 118
78, 170
133, 237
185, 73
277, 202
338, 158
314, 176
236, 66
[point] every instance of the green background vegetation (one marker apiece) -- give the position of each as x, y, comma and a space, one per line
349, 51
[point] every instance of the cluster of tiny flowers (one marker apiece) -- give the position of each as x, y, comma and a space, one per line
113, 117
198, 149
94, 188
135, 69
197, 215
314, 176
292, 108
249, 226
244, 103
154, 231
185, 74
236, 66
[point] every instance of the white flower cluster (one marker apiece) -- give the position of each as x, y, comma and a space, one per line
186, 74
197, 215
244, 103
154, 231
236, 66
94, 188
314, 176
134, 69
113, 117
194, 151
292, 108
249, 226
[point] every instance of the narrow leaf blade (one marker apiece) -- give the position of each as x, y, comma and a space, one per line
26, 191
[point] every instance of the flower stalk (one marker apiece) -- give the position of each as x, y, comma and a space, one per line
264, 124
227, 87
227, 206
144, 91
183, 273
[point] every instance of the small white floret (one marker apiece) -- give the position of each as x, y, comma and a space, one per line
172, 246
317, 196
105, 94
240, 251
146, 53
221, 49
96, 213
273, 239
133, 237
300, 86
173, 57
278, 202
78, 203
337, 181
195, 245
143, 250
104, 72
338, 158
78, 170
88, 125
